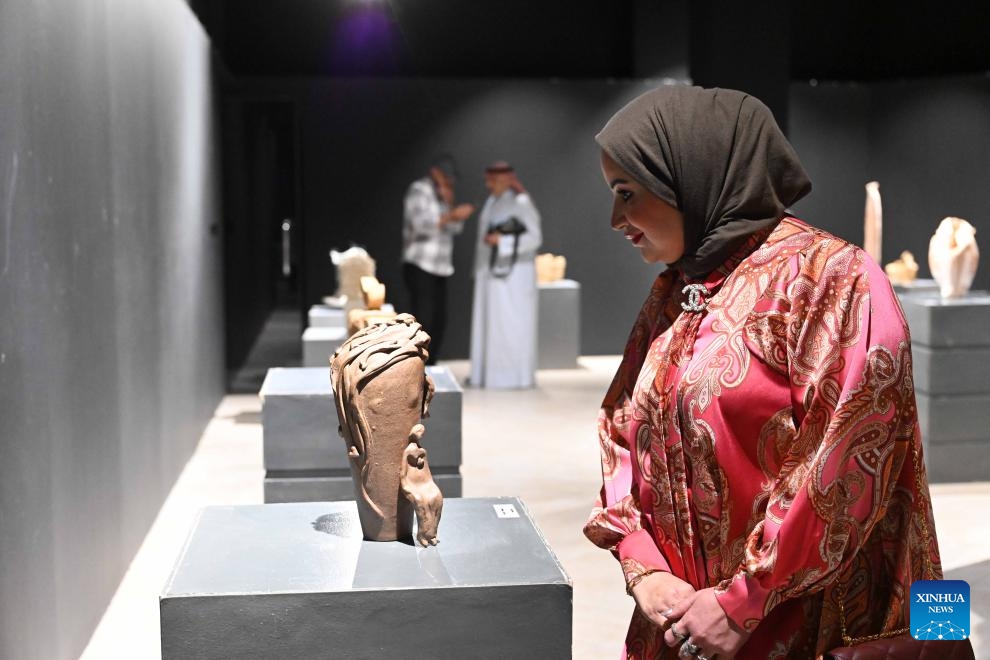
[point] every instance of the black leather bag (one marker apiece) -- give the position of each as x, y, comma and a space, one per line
905, 647
511, 227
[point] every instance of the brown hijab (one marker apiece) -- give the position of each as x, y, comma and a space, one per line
715, 154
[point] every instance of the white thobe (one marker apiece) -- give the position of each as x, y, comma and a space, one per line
504, 316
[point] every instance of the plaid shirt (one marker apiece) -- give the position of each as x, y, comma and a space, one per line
424, 242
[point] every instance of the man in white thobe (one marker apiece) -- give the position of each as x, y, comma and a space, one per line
503, 321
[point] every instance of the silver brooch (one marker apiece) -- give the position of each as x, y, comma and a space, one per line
696, 294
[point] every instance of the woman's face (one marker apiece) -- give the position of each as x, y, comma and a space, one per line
648, 222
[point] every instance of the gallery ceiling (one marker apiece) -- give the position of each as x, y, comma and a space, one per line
838, 40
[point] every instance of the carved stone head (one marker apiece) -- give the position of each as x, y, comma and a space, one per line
381, 391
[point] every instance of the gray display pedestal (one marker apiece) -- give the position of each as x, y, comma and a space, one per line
917, 286
324, 316
298, 581
559, 330
305, 458
319, 344
950, 343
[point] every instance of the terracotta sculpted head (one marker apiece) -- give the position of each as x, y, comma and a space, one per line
381, 390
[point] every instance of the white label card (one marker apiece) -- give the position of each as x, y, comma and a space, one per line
505, 511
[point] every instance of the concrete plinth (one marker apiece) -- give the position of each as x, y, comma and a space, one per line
959, 370
298, 581
950, 344
943, 323
299, 430
324, 316
319, 344
917, 286
559, 328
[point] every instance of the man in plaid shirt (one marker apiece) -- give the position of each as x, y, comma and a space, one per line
431, 220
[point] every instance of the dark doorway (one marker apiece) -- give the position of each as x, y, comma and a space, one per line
263, 239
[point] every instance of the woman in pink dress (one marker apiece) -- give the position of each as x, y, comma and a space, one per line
764, 484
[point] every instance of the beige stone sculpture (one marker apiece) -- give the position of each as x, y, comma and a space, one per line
550, 267
352, 264
953, 257
873, 222
373, 293
903, 271
381, 391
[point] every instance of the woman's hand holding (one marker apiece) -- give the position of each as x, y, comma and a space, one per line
658, 592
700, 620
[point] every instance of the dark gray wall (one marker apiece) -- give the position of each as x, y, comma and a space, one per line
744, 46
259, 192
364, 141
111, 353
829, 131
932, 159
926, 143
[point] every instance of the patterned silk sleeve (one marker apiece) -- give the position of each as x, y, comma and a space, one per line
848, 464
616, 521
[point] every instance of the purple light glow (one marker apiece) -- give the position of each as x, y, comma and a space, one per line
365, 41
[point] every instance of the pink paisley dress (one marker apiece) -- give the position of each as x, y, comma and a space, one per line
764, 446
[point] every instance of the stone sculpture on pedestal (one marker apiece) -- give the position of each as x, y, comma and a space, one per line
903, 271
373, 294
873, 222
381, 390
953, 257
352, 264
550, 267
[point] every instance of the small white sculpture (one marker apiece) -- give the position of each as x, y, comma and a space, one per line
352, 264
953, 257
903, 271
550, 267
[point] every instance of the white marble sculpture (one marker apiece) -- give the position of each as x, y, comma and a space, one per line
953, 257
352, 264
873, 222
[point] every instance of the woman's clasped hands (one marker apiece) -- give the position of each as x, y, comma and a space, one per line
692, 620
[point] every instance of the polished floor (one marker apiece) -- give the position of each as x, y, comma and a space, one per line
539, 445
